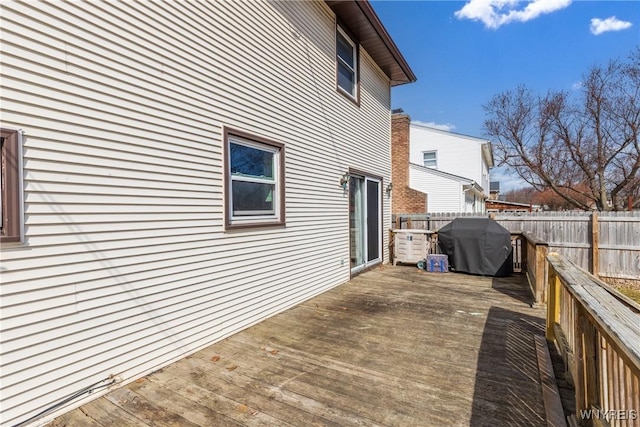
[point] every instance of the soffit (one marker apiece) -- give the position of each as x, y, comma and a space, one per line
362, 21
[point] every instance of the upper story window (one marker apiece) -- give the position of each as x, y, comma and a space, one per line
430, 159
254, 180
347, 64
10, 191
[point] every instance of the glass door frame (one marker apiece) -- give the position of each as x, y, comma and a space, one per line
366, 179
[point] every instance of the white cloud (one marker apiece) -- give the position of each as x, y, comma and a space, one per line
599, 26
495, 13
448, 127
577, 86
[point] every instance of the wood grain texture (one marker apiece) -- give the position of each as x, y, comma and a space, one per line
602, 353
393, 347
551, 395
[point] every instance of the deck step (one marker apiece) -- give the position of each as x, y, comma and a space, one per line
550, 394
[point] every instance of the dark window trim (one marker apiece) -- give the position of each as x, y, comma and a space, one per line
228, 224
11, 228
355, 99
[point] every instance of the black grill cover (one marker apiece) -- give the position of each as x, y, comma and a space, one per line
477, 246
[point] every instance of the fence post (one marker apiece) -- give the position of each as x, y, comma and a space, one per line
579, 373
524, 246
541, 263
553, 303
392, 246
595, 243
590, 362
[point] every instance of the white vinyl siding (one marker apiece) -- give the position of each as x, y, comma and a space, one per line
471, 203
456, 154
444, 193
486, 178
460, 158
126, 265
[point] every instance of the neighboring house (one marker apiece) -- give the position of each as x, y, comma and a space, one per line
438, 171
494, 190
176, 172
504, 206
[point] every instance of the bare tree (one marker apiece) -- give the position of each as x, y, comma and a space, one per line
547, 199
582, 145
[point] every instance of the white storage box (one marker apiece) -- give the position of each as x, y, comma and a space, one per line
411, 245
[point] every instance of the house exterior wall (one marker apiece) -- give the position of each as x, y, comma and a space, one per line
405, 199
444, 194
457, 154
126, 265
473, 203
485, 182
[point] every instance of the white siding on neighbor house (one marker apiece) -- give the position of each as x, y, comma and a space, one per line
486, 178
456, 154
473, 203
443, 193
446, 192
126, 265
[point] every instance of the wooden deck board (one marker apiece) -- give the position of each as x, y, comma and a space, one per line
350, 393
393, 347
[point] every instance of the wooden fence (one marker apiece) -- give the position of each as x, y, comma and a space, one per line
607, 244
598, 334
535, 265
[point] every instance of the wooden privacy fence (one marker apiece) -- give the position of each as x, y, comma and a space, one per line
598, 334
607, 244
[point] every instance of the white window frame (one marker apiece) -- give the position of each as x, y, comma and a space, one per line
435, 159
258, 217
354, 69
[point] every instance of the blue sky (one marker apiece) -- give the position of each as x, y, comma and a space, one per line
464, 52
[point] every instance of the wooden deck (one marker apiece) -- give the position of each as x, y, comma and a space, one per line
393, 347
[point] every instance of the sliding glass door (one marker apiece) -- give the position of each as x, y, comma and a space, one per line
373, 221
365, 219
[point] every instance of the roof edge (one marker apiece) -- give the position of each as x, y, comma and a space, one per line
360, 18
448, 132
384, 35
467, 181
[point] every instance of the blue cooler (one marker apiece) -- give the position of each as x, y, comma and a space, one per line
437, 263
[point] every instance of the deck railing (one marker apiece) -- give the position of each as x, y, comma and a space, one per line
598, 335
535, 265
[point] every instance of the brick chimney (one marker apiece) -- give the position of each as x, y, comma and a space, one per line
404, 200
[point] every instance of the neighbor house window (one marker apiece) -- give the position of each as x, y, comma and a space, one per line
10, 207
347, 64
254, 180
429, 159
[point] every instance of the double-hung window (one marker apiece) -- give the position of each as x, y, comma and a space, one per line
10, 186
430, 159
254, 180
347, 64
